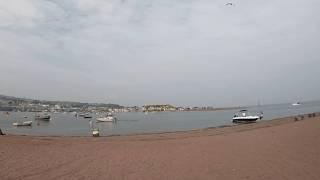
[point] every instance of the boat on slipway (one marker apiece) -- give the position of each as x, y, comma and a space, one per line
246, 117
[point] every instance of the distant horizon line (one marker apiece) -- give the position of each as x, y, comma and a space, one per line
239, 106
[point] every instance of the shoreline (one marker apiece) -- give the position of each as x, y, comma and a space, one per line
209, 130
286, 148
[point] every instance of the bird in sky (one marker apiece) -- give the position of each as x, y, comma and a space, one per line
229, 4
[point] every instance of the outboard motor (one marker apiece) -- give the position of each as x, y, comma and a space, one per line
261, 115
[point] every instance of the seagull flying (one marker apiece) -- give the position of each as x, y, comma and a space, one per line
229, 4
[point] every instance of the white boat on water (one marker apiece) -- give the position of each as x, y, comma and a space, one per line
296, 104
87, 116
45, 117
108, 118
25, 123
81, 114
244, 116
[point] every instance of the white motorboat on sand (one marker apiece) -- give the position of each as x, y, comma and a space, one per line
244, 116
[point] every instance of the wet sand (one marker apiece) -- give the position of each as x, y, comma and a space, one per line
277, 149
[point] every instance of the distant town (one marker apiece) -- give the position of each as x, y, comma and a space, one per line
10, 103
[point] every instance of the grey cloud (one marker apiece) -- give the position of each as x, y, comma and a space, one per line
179, 52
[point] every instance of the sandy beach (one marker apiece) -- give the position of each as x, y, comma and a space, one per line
278, 149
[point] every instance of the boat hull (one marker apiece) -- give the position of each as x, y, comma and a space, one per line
95, 133
43, 117
106, 119
245, 119
27, 123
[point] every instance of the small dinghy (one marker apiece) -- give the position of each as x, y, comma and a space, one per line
25, 123
95, 133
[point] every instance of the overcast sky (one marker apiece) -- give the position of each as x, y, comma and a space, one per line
182, 52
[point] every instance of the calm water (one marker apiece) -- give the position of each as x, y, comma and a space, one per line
66, 124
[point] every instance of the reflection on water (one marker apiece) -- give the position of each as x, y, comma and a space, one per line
66, 124
25, 127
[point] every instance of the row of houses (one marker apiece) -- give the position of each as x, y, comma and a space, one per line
168, 107
158, 107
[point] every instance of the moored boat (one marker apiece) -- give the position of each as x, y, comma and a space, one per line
87, 116
296, 104
25, 123
44, 116
81, 114
108, 118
